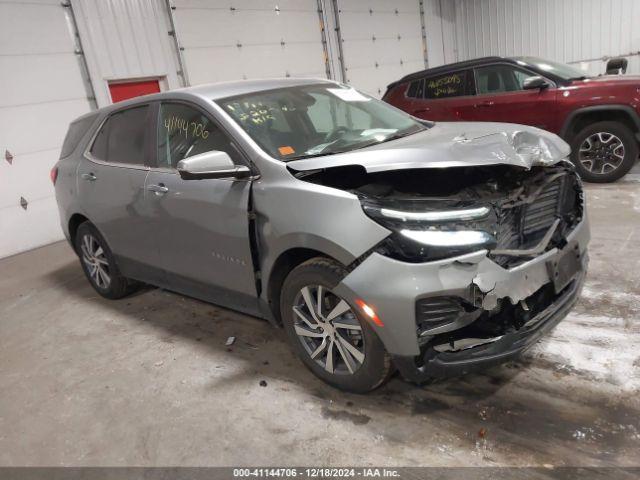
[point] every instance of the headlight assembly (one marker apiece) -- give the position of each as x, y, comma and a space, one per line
438, 215
432, 230
459, 238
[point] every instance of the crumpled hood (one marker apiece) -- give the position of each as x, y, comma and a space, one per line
452, 144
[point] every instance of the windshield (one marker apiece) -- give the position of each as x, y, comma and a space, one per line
561, 70
312, 120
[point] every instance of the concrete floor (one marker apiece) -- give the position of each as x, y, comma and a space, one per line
148, 380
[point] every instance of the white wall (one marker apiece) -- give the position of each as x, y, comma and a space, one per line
244, 39
247, 39
381, 42
41, 91
581, 32
440, 23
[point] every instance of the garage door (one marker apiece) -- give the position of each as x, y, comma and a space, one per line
41, 91
249, 39
381, 42
127, 42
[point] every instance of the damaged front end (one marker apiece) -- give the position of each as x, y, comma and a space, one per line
481, 261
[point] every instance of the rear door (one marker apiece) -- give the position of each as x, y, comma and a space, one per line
111, 182
502, 98
200, 227
444, 97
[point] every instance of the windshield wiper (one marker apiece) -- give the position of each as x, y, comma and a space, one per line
357, 146
397, 135
304, 157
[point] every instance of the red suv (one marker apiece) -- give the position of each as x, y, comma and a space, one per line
597, 116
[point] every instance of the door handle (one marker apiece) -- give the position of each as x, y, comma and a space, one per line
90, 177
421, 110
159, 189
487, 103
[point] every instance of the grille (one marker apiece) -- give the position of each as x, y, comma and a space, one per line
508, 234
523, 226
541, 214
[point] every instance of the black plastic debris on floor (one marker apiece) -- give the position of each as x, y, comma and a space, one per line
263, 383
8, 157
23, 202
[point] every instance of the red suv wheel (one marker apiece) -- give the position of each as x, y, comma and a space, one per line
604, 151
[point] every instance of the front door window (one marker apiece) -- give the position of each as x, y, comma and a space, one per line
500, 79
184, 131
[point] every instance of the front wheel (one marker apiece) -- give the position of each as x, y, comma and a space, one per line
604, 152
327, 333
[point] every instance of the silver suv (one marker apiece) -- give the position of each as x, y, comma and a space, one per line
378, 241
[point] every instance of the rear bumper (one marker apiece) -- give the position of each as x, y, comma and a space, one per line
434, 365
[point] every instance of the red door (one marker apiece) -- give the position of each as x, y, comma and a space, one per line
501, 98
126, 90
447, 97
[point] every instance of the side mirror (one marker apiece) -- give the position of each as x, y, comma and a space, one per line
214, 164
616, 66
535, 82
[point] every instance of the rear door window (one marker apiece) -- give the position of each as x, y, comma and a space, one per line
122, 137
454, 84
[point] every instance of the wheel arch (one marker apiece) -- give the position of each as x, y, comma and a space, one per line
282, 266
580, 118
72, 226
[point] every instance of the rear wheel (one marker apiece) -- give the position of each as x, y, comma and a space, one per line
604, 151
327, 333
99, 264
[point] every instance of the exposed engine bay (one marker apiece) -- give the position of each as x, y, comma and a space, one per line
520, 207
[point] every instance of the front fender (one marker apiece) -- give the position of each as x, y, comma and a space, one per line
291, 213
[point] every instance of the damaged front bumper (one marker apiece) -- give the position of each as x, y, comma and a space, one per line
394, 289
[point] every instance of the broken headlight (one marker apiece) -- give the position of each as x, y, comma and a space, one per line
431, 230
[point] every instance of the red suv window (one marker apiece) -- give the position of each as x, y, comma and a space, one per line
500, 79
454, 84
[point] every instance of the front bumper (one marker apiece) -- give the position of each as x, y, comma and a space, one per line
434, 365
392, 288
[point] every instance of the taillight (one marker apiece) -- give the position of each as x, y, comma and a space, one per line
54, 174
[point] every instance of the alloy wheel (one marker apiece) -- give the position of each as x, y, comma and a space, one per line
95, 260
601, 153
329, 330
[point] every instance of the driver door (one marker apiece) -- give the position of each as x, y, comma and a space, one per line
501, 97
201, 227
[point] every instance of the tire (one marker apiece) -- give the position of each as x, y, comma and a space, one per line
353, 372
99, 265
597, 148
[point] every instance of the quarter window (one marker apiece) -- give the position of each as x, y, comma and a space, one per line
416, 89
184, 131
76, 130
122, 137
